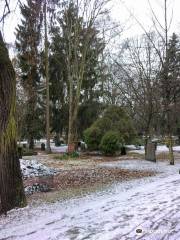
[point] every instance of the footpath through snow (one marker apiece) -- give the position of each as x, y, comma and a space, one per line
151, 205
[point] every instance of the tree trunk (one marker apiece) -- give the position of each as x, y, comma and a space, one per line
48, 146
72, 133
11, 185
171, 154
31, 143
145, 146
73, 109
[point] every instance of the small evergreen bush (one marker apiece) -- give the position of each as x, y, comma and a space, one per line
110, 143
92, 137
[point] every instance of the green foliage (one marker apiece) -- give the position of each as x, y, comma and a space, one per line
67, 156
89, 107
113, 119
170, 87
28, 36
104, 124
88, 113
116, 119
110, 143
138, 142
93, 137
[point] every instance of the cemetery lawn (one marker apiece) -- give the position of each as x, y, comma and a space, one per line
80, 177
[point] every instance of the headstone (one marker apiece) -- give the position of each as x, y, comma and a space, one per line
57, 141
151, 152
20, 152
42, 146
123, 151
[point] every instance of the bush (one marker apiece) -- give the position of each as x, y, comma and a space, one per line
138, 142
92, 137
115, 119
104, 124
110, 143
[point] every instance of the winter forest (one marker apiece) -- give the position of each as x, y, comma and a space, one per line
89, 119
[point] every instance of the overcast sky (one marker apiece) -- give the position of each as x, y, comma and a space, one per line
141, 10
120, 11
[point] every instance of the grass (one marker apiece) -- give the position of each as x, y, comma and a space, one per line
67, 156
159, 156
135, 155
162, 156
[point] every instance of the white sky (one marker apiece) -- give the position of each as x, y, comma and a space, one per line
141, 10
119, 12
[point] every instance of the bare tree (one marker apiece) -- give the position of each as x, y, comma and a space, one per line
136, 72
162, 30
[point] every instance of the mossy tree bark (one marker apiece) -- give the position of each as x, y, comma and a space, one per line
11, 185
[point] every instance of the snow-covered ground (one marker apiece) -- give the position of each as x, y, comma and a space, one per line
33, 168
150, 204
61, 149
160, 149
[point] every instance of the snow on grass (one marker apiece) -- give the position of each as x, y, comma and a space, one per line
151, 204
60, 149
33, 168
160, 149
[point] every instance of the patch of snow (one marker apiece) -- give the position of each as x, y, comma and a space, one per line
133, 147
33, 168
142, 165
160, 149
60, 149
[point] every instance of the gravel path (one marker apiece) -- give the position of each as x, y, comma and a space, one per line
150, 205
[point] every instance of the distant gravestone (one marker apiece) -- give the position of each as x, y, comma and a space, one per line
57, 141
123, 151
151, 151
43, 147
20, 152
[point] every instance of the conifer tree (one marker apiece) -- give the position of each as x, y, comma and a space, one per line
170, 88
28, 38
89, 104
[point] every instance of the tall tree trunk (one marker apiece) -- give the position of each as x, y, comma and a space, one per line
11, 185
171, 154
31, 143
170, 140
48, 147
72, 133
145, 146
